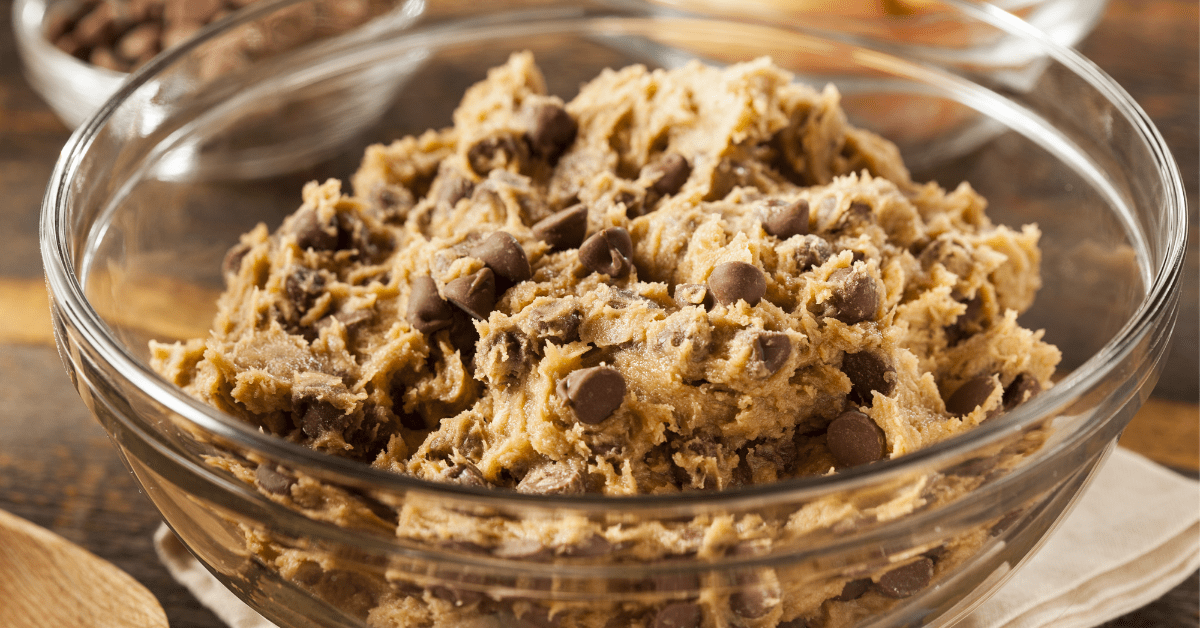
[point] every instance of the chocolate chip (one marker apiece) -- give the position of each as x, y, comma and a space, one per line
812, 252
967, 323
734, 281
232, 264
312, 233
854, 590
594, 393
1023, 388
670, 173
772, 349
676, 582
497, 152
972, 394
854, 439
787, 220
390, 203
565, 229
466, 474
475, 294
273, 480
303, 287
855, 298
452, 187
427, 310
553, 131
504, 255
905, 581
554, 478
751, 602
608, 252
868, 373
321, 416
464, 336
679, 615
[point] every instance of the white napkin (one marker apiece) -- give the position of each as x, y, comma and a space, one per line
1133, 536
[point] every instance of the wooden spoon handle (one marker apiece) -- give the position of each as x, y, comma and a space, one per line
49, 582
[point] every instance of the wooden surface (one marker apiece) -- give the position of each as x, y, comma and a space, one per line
58, 469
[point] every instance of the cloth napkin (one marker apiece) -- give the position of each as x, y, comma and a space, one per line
1133, 536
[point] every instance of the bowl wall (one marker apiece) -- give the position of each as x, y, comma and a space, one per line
153, 191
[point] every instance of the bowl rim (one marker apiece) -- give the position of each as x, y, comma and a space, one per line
69, 299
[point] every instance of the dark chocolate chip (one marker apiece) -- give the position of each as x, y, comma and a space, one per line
466, 474
854, 439
232, 264
855, 298
679, 615
303, 287
273, 480
971, 395
772, 348
391, 203
854, 590
499, 151
464, 336
594, 393
734, 281
858, 214
672, 172
452, 187
474, 293
751, 602
504, 255
868, 372
1023, 388
905, 581
427, 310
813, 252
967, 323
609, 252
321, 416
676, 582
565, 229
554, 478
312, 233
553, 131
787, 220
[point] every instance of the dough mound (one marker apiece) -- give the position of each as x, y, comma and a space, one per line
745, 288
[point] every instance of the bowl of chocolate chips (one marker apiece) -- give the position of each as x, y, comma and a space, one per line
612, 315
77, 53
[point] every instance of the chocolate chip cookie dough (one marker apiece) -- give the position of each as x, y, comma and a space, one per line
683, 280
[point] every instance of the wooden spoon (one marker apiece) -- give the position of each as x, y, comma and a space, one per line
49, 582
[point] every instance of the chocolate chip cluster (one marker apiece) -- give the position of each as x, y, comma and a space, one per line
121, 35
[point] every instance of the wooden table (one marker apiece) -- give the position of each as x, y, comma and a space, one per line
58, 470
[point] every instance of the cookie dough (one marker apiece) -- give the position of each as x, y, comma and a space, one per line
681, 280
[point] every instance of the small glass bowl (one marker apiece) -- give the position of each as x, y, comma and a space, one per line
152, 190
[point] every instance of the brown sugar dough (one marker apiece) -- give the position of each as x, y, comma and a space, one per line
745, 268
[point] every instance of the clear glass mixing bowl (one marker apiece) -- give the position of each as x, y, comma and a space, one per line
221, 134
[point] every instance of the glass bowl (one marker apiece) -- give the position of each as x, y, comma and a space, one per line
153, 190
